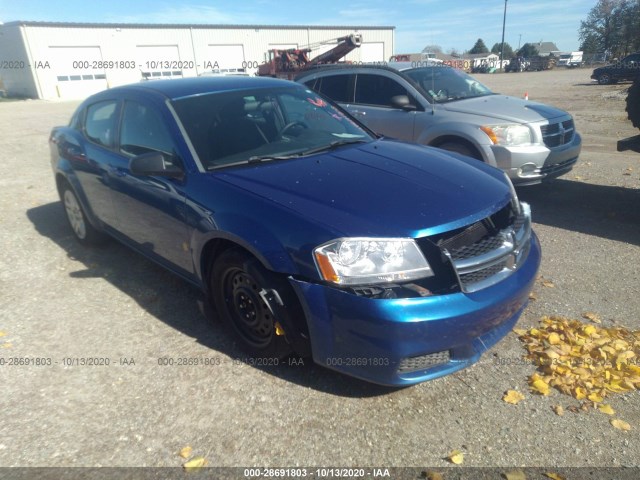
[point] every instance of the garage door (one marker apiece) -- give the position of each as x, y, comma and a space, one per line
79, 71
372, 52
160, 61
226, 58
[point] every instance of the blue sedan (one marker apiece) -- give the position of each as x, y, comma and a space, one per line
391, 262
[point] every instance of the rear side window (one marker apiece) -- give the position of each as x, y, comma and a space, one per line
336, 87
100, 123
377, 90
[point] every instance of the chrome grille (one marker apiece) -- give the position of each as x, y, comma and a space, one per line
494, 257
557, 134
413, 364
479, 248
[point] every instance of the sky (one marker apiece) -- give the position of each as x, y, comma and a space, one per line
451, 24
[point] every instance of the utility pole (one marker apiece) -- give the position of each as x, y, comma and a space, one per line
504, 21
519, 40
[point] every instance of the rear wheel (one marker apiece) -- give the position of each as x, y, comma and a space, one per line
243, 292
82, 229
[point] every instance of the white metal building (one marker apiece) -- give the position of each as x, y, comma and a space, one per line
73, 60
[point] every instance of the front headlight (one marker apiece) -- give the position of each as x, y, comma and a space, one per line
365, 261
509, 135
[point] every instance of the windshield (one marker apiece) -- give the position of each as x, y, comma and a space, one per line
446, 84
249, 126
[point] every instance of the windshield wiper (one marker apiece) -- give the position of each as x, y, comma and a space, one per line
331, 146
267, 158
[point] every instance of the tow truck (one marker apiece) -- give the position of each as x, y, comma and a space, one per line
288, 63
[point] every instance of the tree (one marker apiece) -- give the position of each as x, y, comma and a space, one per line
508, 51
590, 44
479, 47
527, 50
612, 27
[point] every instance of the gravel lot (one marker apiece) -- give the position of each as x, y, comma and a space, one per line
59, 300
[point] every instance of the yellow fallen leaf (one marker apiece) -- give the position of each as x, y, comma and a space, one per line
540, 386
606, 408
7, 345
548, 284
194, 464
456, 457
431, 475
592, 316
579, 393
553, 338
519, 331
513, 397
2, 334
554, 476
515, 475
558, 410
620, 424
533, 296
589, 330
594, 397
186, 452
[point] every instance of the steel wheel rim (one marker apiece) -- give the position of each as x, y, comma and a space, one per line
74, 214
604, 79
249, 312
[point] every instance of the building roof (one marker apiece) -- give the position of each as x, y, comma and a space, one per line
545, 48
192, 25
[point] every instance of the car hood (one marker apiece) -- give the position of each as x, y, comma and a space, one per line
383, 188
511, 109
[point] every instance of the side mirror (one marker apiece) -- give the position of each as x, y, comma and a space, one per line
154, 164
402, 102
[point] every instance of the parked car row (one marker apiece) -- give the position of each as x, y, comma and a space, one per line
309, 233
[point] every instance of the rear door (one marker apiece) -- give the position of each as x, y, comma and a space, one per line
99, 129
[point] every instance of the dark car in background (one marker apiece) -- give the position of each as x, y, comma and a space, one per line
391, 262
626, 69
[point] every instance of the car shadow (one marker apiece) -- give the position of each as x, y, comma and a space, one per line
605, 211
180, 305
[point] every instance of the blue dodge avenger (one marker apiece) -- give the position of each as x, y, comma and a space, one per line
391, 262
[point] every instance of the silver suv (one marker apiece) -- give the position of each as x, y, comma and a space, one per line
444, 107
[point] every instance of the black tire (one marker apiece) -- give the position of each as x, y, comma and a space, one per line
83, 231
238, 287
460, 148
604, 79
633, 103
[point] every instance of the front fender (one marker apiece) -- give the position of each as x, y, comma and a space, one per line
242, 231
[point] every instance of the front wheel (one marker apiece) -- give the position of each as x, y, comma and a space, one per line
460, 148
243, 293
604, 79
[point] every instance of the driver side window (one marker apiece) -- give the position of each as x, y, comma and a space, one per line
143, 130
377, 90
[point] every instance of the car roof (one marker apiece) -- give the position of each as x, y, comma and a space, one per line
187, 87
395, 67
